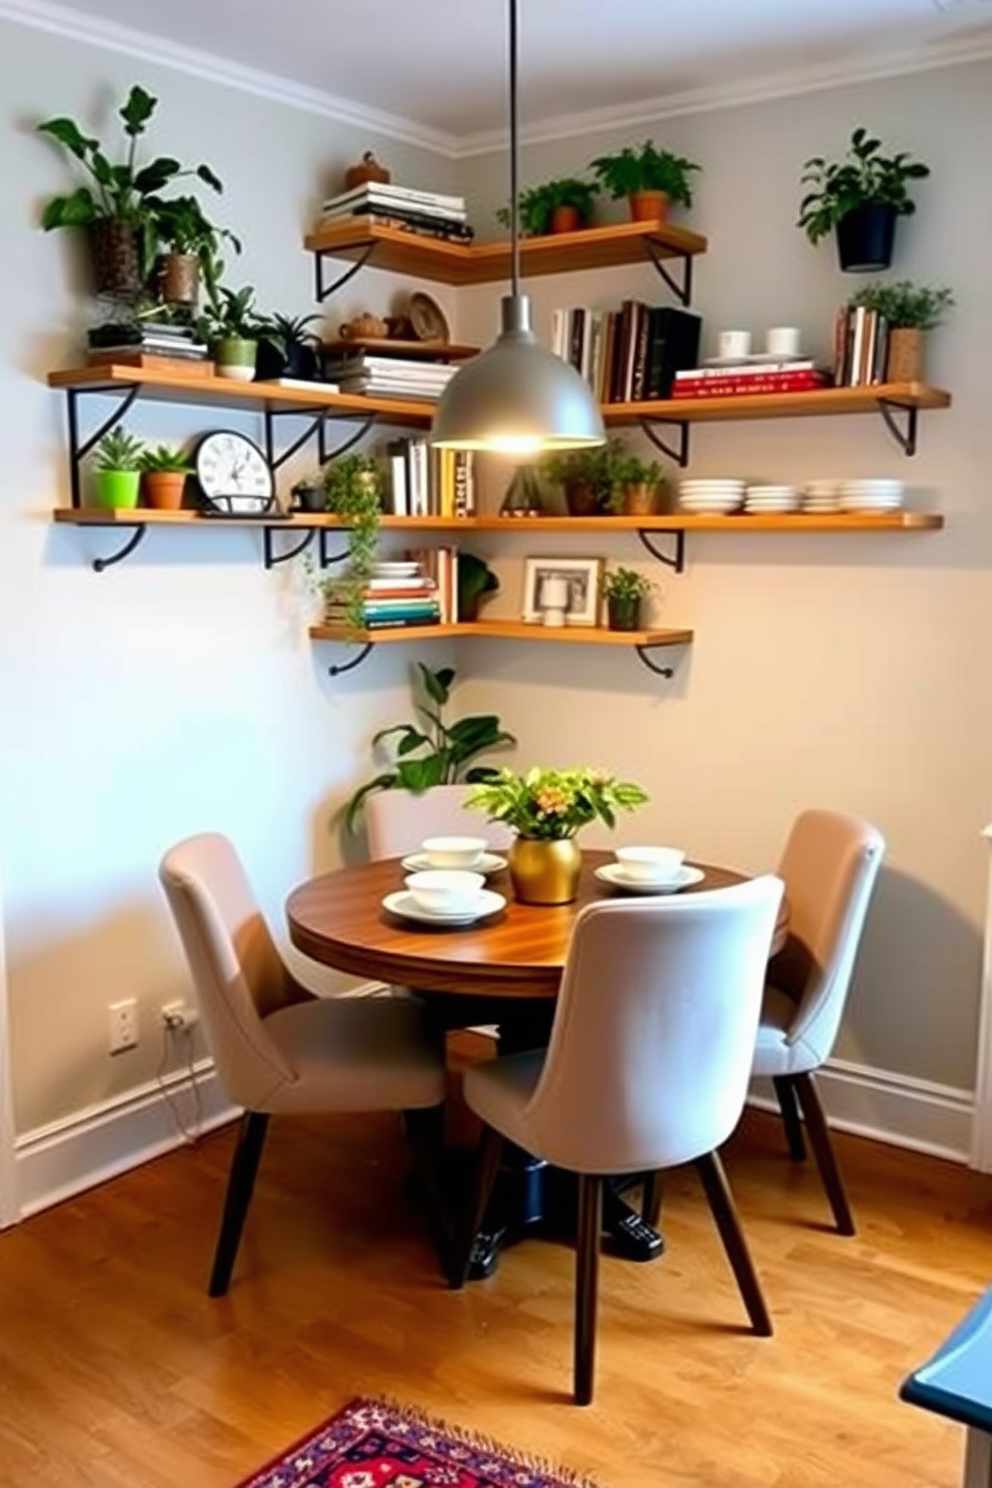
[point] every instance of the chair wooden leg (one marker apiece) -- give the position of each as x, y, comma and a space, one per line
651, 1200
425, 1134
486, 1167
586, 1285
786, 1092
710, 1170
823, 1151
241, 1182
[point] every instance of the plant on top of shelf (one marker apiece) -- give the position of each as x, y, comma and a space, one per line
229, 323
353, 485
640, 481
910, 310
562, 205
860, 196
287, 347
591, 478
192, 244
117, 207
625, 590
648, 177
165, 471
117, 475
431, 751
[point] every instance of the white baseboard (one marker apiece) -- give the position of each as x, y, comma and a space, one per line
887, 1107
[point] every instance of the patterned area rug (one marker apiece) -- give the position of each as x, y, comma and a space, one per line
377, 1444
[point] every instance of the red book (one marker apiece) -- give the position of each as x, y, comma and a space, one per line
774, 382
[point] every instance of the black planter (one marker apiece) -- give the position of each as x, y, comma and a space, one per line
299, 361
624, 614
865, 238
309, 498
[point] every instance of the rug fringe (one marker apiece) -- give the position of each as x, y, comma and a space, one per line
479, 1439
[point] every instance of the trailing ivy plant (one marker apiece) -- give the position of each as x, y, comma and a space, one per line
432, 751
353, 484
863, 178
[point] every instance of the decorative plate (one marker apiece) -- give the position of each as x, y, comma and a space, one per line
612, 874
427, 318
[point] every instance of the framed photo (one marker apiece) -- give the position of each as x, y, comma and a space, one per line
549, 580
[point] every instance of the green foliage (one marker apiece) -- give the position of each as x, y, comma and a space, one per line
182, 226
864, 177
431, 751
633, 471
475, 580
539, 203
552, 804
285, 331
626, 584
906, 305
353, 485
162, 458
601, 466
646, 169
228, 314
119, 450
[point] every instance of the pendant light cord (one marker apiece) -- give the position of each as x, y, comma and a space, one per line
514, 188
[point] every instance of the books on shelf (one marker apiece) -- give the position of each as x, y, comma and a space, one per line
728, 382
363, 372
440, 567
630, 355
428, 482
427, 597
432, 213
861, 347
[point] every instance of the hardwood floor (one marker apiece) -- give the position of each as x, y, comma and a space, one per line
117, 1371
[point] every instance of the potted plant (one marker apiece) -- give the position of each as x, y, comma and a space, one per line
860, 197
640, 482
909, 310
546, 808
309, 494
288, 348
230, 325
562, 205
118, 472
117, 209
625, 591
649, 178
590, 478
353, 487
191, 242
431, 751
164, 473
476, 582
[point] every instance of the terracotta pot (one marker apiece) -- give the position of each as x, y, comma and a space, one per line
116, 256
624, 614
565, 219
649, 206
545, 872
640, 500
179, 278
367, 169
581, 499
905, 358
163, 489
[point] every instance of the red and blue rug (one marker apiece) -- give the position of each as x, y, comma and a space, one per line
376, 1444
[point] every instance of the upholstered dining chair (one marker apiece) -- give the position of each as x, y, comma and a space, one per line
646, 1069
397, 821
830, 866
279, 1049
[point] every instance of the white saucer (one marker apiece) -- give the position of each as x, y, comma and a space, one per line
488, 863
613, 874
403, 903
753, 359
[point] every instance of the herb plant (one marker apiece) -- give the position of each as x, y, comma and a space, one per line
864, 177
905, 305
602, 467
646, 169
538, 204
625, 585
550, 805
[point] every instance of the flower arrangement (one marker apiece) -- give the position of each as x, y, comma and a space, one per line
549, 805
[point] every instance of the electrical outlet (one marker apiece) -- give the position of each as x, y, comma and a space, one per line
123, 1025
178, 1015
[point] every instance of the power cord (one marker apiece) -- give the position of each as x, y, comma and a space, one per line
171, 1030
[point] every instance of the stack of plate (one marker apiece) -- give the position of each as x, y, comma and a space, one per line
871, 495
395, 570
711, 496
821, 496
771, 499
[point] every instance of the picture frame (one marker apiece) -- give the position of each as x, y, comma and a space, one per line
582, 577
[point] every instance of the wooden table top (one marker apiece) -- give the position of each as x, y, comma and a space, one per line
338, 919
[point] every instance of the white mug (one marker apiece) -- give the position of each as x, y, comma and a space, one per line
782, 341
734, 344
554, 599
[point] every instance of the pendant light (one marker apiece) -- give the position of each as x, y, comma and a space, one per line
517, 398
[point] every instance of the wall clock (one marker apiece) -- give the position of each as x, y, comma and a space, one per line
234, 476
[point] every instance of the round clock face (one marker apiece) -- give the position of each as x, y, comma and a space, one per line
233, 473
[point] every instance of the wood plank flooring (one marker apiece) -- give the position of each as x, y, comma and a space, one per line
117, 1371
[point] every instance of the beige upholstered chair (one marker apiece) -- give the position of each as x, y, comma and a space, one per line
276, 1047
830, 866
397, 821
647, 1068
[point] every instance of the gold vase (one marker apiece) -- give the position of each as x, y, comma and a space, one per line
545, 872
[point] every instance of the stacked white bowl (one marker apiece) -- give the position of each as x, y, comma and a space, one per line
871, 495
711, 497
771, 499
821, 496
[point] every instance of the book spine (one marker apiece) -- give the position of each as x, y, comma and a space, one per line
559, 321
777, 382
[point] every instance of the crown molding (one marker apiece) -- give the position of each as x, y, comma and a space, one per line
954, 52
61, 20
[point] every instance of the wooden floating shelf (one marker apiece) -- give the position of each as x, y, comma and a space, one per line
838, 400
423, 351
506, 630
457, 264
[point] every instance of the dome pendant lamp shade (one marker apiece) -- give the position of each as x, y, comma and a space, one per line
517, 398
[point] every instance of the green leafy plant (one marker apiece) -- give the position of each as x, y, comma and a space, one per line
633, 471
476, 581
182, 226
538, 204
864, 177
432, 751
906, 305
119, 450
553, 804
601, 467
646, 169
285, 331
229, 314
353, 485
162, 458
626, 584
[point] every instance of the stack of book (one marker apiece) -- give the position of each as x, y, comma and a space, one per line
628, 355
428, 482
861, 347
440, 565
790, 375
387, 376
150, 343
398, 594
426, 212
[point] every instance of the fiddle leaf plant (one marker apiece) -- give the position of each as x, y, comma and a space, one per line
863, 177
432, 751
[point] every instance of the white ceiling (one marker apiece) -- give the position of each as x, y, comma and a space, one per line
441, 64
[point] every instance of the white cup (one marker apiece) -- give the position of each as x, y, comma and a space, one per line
554, 599
649, 864
782, 341
734, 344
444, 891
453, 852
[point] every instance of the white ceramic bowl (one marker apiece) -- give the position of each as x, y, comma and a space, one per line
649, 864
445, 890
453, 852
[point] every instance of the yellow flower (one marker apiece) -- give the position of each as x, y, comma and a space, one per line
552, 800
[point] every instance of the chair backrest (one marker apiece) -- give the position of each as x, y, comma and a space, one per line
397, 821
654, 1031
830, 866
237, 972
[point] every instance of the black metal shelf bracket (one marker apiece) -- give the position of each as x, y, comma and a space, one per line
644, 652
683, 291
325, 455
905, 438
356, 660
78, 449
274, 557
675, 561
99, 564
680, 454
324, 291
326, 557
